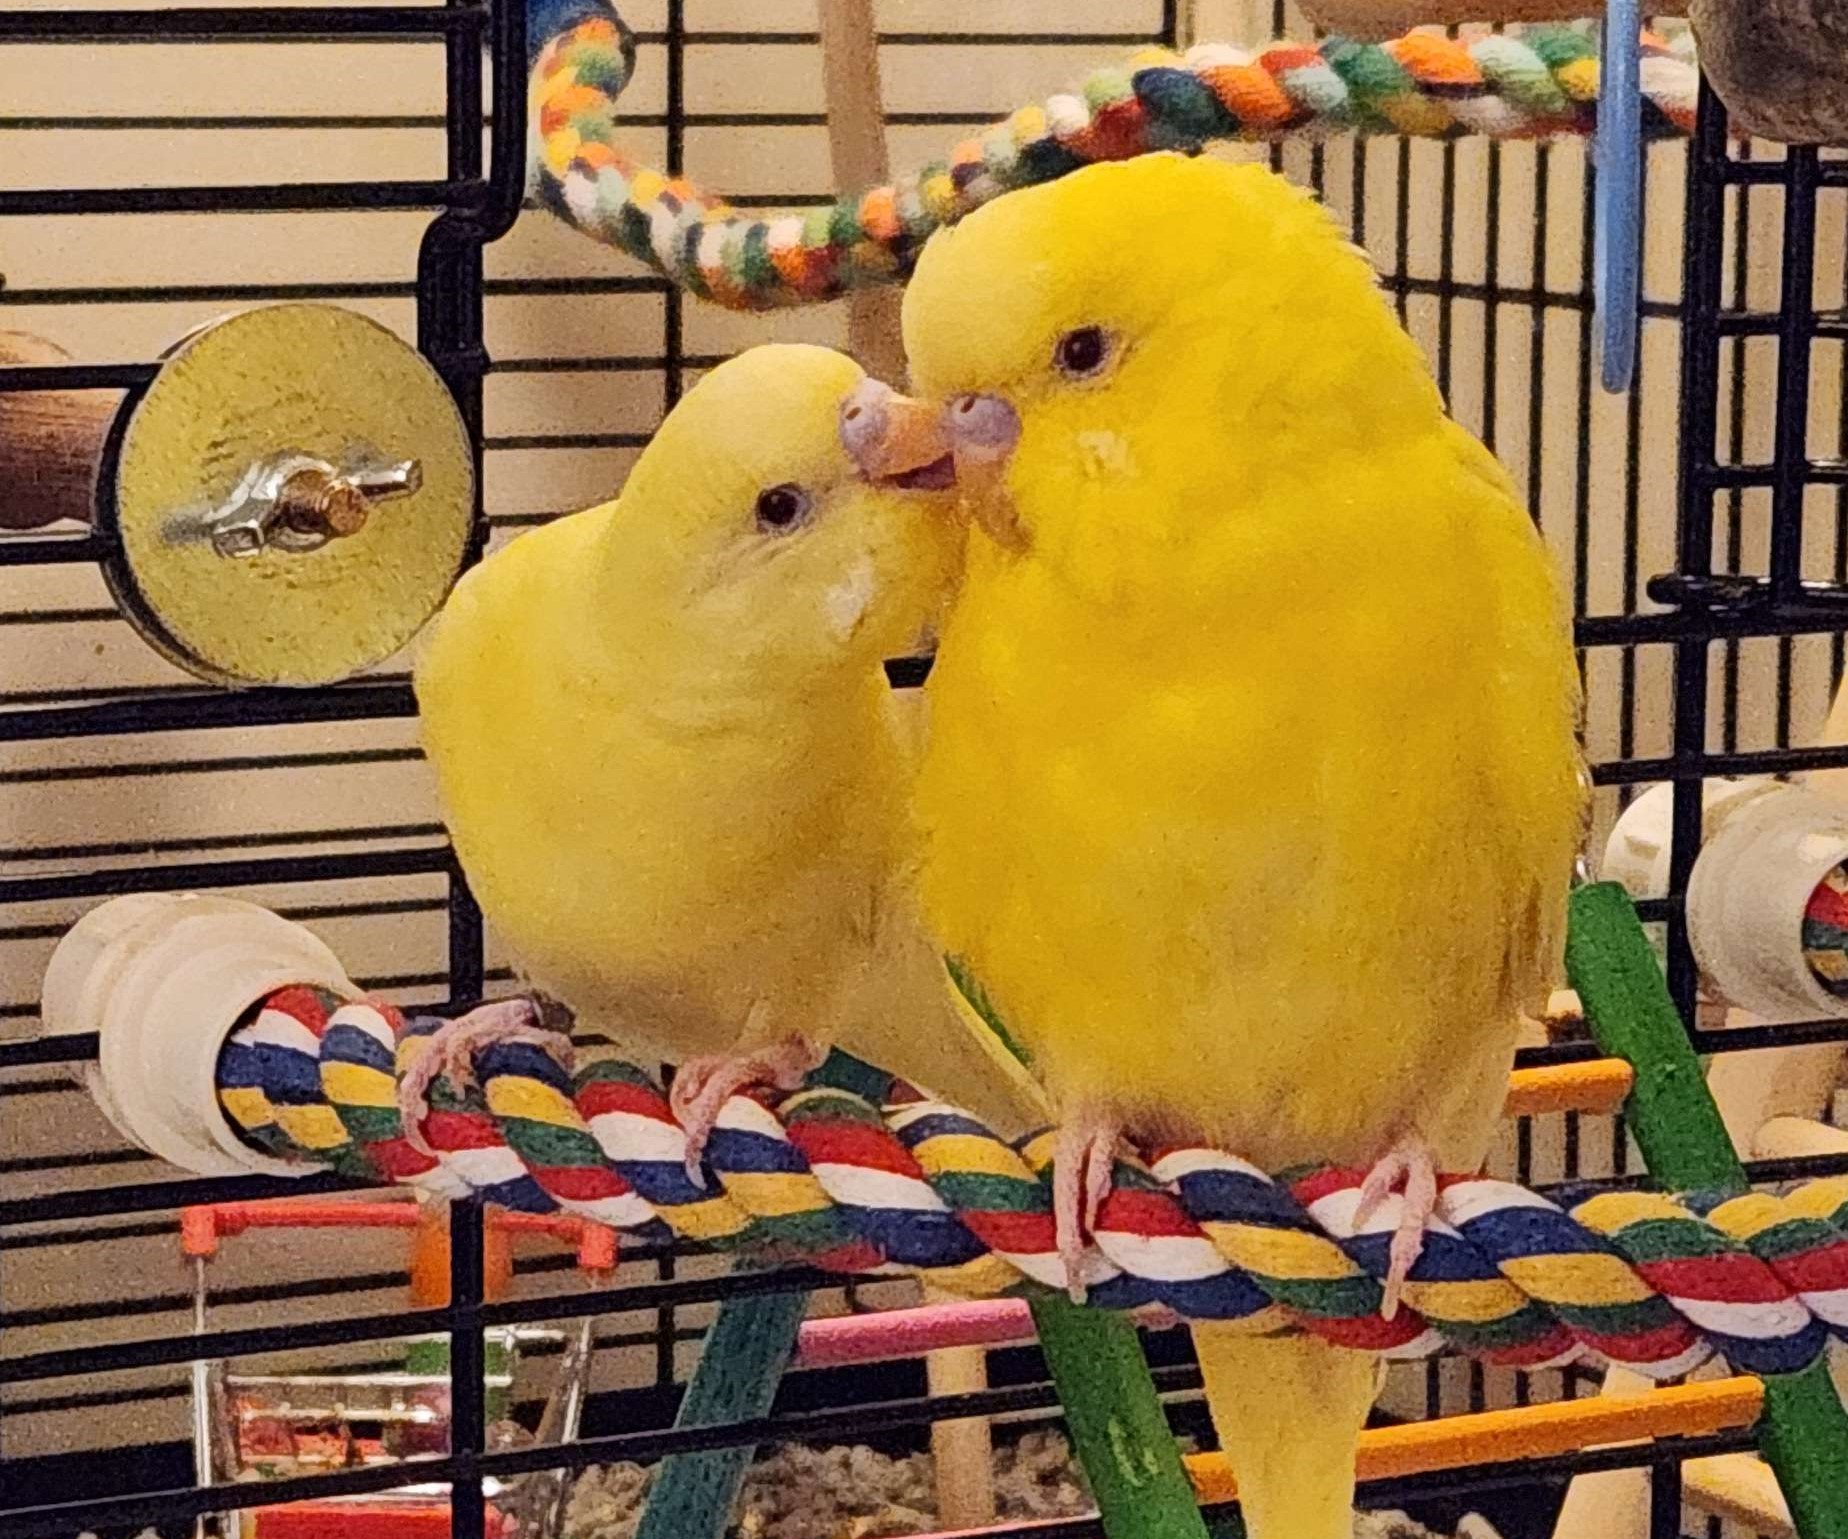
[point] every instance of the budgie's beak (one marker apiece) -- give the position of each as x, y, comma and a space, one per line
983, 431
896, 440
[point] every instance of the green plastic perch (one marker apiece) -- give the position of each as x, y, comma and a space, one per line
1119, 1430
1803, 1432
745, 1355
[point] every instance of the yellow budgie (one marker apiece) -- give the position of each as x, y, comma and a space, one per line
1253, 786
670, 760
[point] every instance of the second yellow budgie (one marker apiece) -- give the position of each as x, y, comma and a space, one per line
1253, 785
669, 757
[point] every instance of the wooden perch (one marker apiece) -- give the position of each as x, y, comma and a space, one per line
1777, 65
1371, 21
51, 441
1785, 1138
857, 152
1742, 1488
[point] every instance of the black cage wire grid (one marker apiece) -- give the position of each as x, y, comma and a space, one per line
1703, 610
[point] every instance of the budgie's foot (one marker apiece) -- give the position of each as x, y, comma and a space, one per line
702, 1086
449, 1055
1082, 1160
1409, 1160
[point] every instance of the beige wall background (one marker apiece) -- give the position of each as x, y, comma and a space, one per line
1511, 336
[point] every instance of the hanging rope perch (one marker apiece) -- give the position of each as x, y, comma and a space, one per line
826, 1177
1540, 84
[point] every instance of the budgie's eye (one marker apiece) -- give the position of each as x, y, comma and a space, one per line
782, 507
1082, 353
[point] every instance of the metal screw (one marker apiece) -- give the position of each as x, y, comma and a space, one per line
296, 502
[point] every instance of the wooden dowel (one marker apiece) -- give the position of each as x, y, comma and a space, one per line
1768, 1100
1118, 1427
1740, 1487
740, 1367
1803, 1434
962, 1451
1538, 1432
51, 441
857, 154
1373, 20
1562, 1011
1612, 1504
1784, 1138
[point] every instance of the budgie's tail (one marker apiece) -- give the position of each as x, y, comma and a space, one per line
1288, 1410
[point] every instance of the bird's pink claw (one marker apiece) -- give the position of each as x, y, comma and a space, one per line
1409, 1160
703, 1085
449, 1055
1082, 1162
1099, 1166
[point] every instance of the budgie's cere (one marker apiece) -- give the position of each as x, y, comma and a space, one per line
1253, 785
668, 754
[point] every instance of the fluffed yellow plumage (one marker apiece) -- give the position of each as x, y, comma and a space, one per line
671, 762
1253, 785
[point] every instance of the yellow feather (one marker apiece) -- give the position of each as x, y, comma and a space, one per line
1253, 788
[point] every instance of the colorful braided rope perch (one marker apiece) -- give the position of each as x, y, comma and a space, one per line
826, 1177
1539, 84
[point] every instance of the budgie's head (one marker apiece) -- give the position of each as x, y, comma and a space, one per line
765, 540
1116, 347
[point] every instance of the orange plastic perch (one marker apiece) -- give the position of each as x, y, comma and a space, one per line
202, 1227
1529, 1432
1598, 1086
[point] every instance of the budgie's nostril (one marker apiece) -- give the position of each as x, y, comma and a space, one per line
864, 424
983, 425
895, 440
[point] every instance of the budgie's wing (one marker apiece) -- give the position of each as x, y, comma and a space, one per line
1292, 1407
1532, 795
1544, 792
1473, 455
908, 1018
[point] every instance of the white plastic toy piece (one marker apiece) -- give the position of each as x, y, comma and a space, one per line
1637, 852
162, 978
1766, 844
1747, 896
